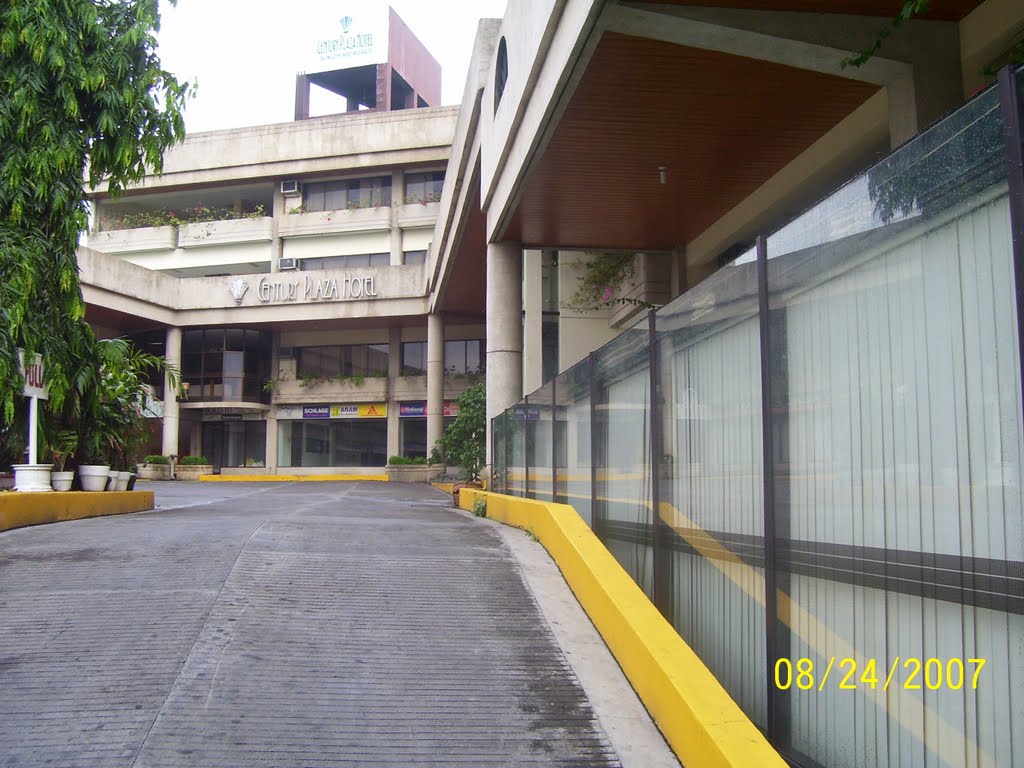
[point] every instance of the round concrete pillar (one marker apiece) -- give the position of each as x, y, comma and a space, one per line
172, 356
435, 379
504, 330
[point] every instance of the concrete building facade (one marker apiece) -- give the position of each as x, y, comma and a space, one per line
364, 268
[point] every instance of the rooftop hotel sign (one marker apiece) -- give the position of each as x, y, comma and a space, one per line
352, 37
306, 289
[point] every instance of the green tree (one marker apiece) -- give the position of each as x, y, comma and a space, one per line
464, 441
83, 98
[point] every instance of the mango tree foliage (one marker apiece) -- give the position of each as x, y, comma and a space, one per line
83, 98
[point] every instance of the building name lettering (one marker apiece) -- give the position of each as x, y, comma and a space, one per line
316, 289
344, 45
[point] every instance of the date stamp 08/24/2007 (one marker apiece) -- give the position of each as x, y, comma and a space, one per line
849, 674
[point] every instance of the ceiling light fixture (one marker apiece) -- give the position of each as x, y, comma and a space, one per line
663, 173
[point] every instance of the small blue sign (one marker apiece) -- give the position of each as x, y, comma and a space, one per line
316, 411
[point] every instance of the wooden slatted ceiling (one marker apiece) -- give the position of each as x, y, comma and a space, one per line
945, 10
722, 124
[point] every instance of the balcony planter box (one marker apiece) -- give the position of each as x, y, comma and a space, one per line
418, 214
135, 240
328, 222
154, 472
192, 471
32, 478
204, 233
372, 389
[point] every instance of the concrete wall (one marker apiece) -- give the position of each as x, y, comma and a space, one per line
315, 146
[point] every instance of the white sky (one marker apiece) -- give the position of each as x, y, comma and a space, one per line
245, 53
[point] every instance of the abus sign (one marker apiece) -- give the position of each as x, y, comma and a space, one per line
33, 374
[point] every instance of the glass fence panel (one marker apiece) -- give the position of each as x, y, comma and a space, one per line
515, 447
499, 459
896, 415
622, 503
712, 489
538, 442
572, 439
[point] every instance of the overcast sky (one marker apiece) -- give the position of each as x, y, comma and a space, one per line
245, 53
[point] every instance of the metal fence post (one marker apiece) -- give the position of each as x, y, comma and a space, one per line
1010, 107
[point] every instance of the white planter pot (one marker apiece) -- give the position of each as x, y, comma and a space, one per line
61, 481
121, 482
94, 476
32, 478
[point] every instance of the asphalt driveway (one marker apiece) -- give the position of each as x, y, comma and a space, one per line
299, 624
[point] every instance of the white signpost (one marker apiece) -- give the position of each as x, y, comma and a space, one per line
32, 476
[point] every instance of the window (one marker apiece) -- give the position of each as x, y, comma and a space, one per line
500, 72
414, 358
345, 360
464, 357
423, 187
341, 443
354, 261
414, 257
225, 364
338, 195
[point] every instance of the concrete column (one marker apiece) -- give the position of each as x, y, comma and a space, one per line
435, 379
278, 209
394, 371
533, 319
397, 191
504, 330
172, 354
271, 460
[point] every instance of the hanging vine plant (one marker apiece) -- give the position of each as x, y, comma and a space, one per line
602, 278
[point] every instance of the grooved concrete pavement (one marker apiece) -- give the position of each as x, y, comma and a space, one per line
328, 624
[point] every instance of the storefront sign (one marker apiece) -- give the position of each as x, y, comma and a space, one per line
360, 411
411, 410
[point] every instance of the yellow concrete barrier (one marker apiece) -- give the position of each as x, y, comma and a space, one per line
287, 478
18, 510
700, 721
446, 487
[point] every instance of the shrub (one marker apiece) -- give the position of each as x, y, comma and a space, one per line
153, 459
397, 461
193, 460
480, 507
463, 440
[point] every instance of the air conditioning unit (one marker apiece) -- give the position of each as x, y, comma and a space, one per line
285, 264
290, 187
286, 352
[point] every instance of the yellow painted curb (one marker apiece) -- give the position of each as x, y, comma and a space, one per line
446, 487
18, 510
700, 721
287, 478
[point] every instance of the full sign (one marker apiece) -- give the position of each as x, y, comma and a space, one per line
33, 374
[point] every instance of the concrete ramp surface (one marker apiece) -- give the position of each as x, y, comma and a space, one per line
333, 624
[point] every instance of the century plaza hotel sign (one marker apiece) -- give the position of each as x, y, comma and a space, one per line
274, 290
354, 36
